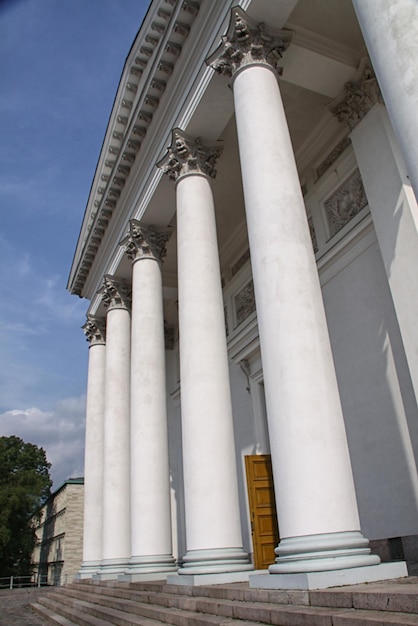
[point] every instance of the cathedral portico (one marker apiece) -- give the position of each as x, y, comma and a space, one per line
286, 283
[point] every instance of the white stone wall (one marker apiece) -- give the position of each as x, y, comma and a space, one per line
376, 394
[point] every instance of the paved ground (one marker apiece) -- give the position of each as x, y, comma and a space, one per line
15, 610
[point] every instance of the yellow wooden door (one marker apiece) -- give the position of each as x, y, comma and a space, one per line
264, 527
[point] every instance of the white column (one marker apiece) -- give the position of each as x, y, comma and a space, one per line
151, 543
116, 474
95, 331
390, 30
213, 530
316, 502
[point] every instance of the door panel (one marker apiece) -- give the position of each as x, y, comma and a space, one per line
264, 528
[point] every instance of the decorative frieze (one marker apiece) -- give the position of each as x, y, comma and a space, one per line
95, 330
240, 262
187, 155
244, 303
115, 293
358, 98
345, 202
313, 234
145, 242
247, 42
332, 156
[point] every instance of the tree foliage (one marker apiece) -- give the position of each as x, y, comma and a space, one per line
25, 483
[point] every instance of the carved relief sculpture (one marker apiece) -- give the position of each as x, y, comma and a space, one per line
115, 293
247, 42
145, 241
187, 155
358, 98
244, 303
345, 202
95, 330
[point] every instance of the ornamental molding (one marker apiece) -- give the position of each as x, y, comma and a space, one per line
115, 293
145, 76
95, 330
145, 242
359, 96
248, 43
189, 155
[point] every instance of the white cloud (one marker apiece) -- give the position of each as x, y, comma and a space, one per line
60, 432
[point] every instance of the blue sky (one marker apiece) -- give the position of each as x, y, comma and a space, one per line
60, 61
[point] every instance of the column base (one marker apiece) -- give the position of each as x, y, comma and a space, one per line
335, 578
220, 561
149, 568
110, 569
191, 580
88, 569
318, 553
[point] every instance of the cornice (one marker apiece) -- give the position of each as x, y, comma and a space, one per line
187, 79
146, 73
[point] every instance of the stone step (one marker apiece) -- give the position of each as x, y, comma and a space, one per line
167, 607
153, 604
50, 615
402, 597
57, 611
199, 611
392, 597
168, 615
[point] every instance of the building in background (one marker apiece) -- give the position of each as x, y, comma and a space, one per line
248, 258
59, 534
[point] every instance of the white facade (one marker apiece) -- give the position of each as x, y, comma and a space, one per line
254, 204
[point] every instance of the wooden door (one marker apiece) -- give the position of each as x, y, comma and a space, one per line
264, 527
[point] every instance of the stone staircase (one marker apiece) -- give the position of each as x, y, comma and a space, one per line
88, 603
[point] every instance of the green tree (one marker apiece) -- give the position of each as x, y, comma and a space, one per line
25, 483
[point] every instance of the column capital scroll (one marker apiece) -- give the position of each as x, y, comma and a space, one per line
359, 96
145, 242
95, 330
115, 293
188, 155
249, 43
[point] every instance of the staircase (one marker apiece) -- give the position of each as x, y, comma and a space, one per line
88, 603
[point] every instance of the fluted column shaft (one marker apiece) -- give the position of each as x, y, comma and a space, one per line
390, 30
95, 330
213, 531
116, 475
316, 502
151, 543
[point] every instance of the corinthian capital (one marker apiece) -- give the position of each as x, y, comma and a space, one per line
115, 293
95, 330
358, 97
145, 242
187, 155
246, 43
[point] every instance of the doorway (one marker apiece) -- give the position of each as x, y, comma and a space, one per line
262, 503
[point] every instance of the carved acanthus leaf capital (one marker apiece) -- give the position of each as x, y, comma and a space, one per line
188, 155
246, 43
116, 293
95, 330
145, 242
359, 96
